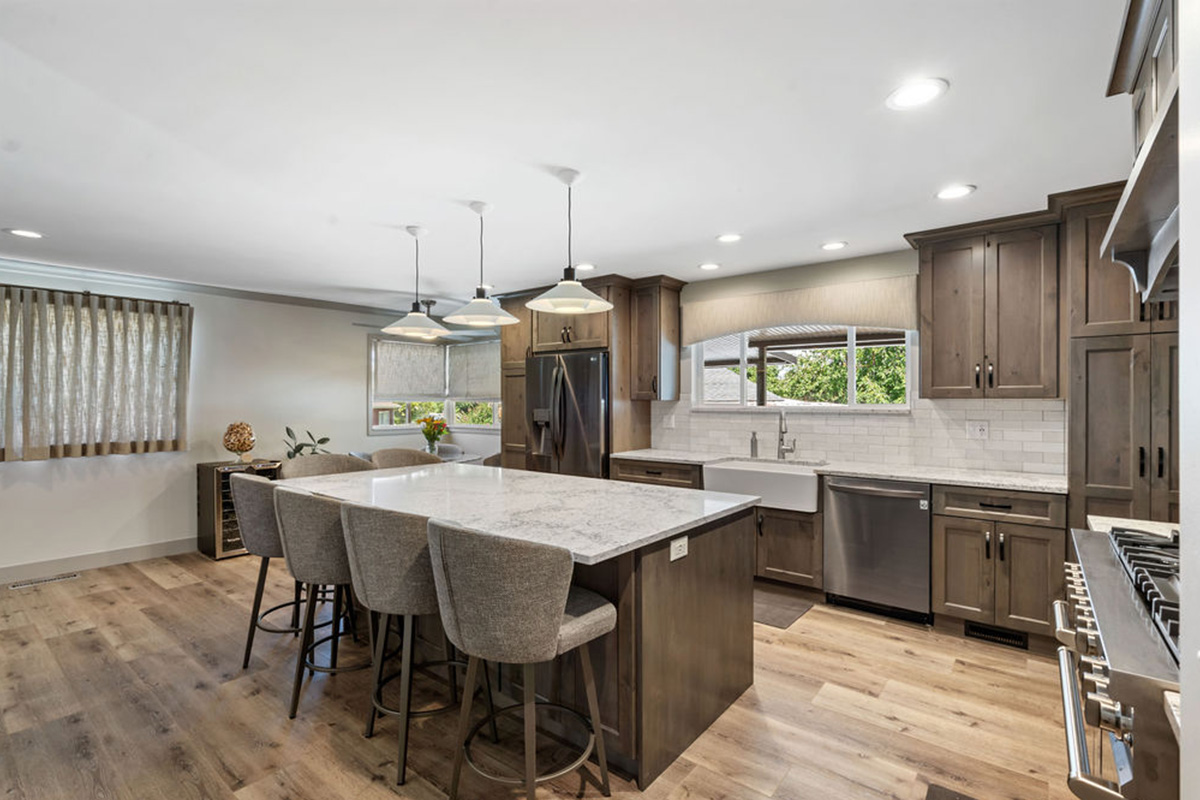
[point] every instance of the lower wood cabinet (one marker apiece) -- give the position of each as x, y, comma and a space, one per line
997, 573
659, 473
513, 444
791, 547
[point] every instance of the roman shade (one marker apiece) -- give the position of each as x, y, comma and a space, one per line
879, 303
475, 371
406, 371
84, 374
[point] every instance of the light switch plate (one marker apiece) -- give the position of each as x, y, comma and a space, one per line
678, 548
977, 429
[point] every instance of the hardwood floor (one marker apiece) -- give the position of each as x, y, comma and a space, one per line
127, 683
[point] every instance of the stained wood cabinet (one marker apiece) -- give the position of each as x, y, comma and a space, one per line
1164, 427
790, 547
515, 346
655, 338
516, 340
560, 332
995, 571
989, 315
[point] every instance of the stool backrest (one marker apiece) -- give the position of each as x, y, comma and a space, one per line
402, 457
322, 464
254, 504
310, 527
500, 599
493, 460
446, 449
389, 560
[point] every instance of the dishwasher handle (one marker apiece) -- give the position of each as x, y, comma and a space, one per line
871, 491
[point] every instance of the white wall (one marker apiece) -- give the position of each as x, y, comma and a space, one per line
1024, 435
1189, 384
269, 363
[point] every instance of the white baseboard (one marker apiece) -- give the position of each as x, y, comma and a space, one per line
57, 566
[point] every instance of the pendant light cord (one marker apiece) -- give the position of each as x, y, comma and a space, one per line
417, 270
570, 260
481, 249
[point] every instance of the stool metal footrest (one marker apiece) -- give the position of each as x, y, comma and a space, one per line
310, 656
382, 708
549, 776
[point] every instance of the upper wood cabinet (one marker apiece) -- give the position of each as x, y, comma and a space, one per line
989, 315
1103, 298
516, 340
655, 338
559, 332
1164, 427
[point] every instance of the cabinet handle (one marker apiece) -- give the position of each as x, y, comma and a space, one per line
991, 375
987, 545
996, 506
760, 522
1141, 462
977, 371
654, 472
570, 332
1162, 461
562, 335
1001, 546
654, 384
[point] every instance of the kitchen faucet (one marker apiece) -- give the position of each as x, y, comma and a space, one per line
784, 449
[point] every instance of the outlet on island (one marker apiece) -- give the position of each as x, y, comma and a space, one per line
678, 548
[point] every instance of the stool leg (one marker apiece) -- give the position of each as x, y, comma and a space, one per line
377, 653
530, 732
405, 696
258, 593
306, 636
352, 613
464, 726
296, 611
451, 670
589, 685
487, 696
336, 627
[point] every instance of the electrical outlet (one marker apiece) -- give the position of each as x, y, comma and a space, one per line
669, 422
678, 548
977, 429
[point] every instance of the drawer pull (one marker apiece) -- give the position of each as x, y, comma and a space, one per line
654, 472
996, 506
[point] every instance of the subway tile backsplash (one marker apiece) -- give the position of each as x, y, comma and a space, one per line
1023, 435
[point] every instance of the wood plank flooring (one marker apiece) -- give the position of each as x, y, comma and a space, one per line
127, 683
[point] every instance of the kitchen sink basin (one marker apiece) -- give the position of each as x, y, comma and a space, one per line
780, 484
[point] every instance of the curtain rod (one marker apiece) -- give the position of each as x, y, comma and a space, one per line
86, 293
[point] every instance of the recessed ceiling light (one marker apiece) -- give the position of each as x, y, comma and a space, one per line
729, 238
955, 191
24, 234
833, 245
585, 267
917, 93
709, 266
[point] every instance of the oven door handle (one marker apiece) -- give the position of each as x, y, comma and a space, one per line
1079, 778
1062, 625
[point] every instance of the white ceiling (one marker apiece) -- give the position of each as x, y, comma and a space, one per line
278, 145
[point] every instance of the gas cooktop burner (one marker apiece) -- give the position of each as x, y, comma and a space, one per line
1152, 564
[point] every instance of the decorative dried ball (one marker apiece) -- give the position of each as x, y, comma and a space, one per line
239, 438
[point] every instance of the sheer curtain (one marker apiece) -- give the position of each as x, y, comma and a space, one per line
474, 371
84, 374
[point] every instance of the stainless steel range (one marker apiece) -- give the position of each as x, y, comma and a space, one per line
1120, 634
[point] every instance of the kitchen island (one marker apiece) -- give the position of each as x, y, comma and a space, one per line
683, 647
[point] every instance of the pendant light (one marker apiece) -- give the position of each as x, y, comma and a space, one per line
483, 311
569, 296
416, 322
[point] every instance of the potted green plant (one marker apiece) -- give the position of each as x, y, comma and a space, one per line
295, 447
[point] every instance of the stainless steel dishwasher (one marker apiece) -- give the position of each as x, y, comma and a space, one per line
877, 545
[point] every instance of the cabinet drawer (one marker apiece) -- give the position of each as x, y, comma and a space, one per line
1026, 508
686, 475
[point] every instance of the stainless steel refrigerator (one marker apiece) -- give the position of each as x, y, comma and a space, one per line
566, 395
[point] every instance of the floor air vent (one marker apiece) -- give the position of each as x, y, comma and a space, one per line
70, 576
990, 633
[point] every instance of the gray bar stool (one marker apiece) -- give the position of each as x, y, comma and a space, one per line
254, 504
402, 457
310, 528
512, 602
389, 563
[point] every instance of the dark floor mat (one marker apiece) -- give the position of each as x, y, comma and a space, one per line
778, 606
942, 793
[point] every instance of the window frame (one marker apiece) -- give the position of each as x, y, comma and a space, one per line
748, 405
448, 409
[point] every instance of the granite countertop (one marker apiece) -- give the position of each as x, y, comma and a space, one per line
986, 479
1106, 524
595, 519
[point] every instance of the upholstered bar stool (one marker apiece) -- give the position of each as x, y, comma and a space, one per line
254, 504
322, 464
389, 563
402, 457
310, 528
511, 601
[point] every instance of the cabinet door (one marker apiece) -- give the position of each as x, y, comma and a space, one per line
1109, 428
1103, 300
560, 332
1164, 316
1029, 576
790, 547
952, 318
550, 331
1164, 426
963, 571
1021, 313
516, 340
646, 317
512, 418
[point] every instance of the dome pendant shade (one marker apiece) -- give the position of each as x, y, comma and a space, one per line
482, 312
569, 296
416, 323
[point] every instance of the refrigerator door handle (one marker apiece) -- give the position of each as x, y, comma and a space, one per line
556, 411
